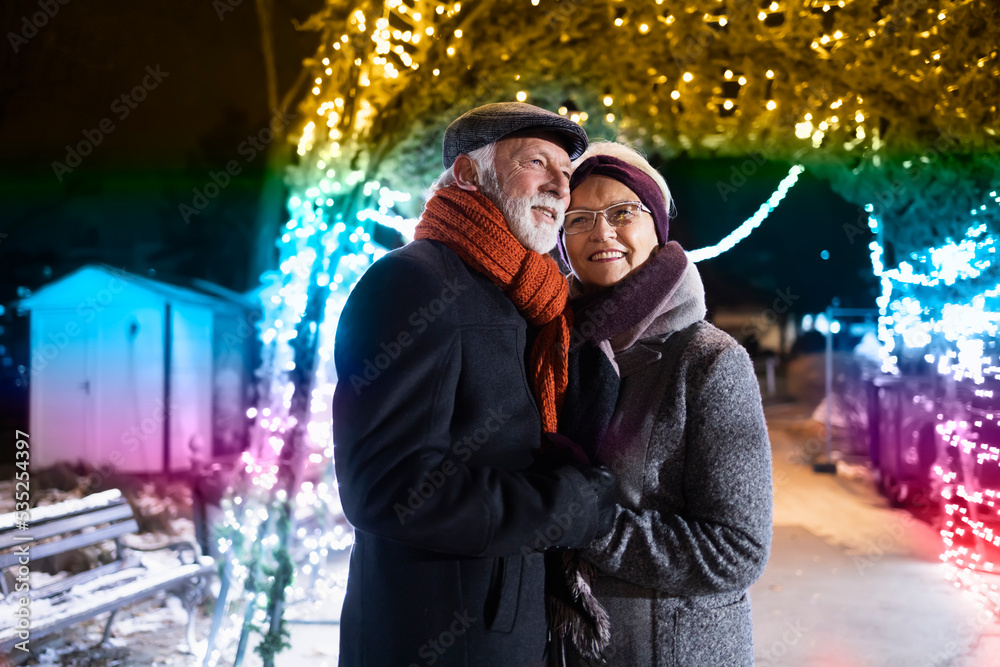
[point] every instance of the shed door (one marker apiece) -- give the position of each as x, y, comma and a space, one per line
62, 381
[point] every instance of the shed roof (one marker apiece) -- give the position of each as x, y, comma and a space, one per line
64, 291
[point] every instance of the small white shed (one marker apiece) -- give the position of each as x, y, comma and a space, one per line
126, 370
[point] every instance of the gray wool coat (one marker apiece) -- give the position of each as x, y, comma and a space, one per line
689, 446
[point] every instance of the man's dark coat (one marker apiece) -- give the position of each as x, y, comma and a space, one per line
436, 430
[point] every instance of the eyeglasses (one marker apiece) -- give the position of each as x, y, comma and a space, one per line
617, 215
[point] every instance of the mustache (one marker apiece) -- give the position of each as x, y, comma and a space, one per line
547, 201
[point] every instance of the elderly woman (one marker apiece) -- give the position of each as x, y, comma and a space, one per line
687, 442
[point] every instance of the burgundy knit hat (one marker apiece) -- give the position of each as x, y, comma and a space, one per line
635, 179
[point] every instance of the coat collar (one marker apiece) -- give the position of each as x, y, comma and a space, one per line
637, 357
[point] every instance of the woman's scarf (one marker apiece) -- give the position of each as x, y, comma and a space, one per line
475, 230
625, 312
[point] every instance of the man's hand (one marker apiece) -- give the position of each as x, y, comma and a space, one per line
602, 481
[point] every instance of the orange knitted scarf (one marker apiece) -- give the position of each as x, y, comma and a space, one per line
475, 230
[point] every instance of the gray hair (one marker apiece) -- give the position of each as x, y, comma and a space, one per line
483, 157
634, 158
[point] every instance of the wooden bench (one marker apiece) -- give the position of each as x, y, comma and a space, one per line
75, 524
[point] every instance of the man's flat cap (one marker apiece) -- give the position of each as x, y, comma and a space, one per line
492, 122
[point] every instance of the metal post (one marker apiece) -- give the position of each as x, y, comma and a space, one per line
829, 383
829, 466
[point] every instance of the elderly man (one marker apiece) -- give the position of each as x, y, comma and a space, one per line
452, 366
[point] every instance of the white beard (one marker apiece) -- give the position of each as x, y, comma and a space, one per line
517, 212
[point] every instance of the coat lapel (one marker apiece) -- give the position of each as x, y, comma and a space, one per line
636, 358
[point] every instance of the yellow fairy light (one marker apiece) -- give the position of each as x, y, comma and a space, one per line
761, 16
608, 100
575, 118
316, 90
836, 105
521, 96
563, 111
417, 16
824, 39
644, 28
329, 71
458, 33
688, 76
675, 95
771, 105
439, 9
619, 22
610, 118
723, 21
318, 80
436, 72
728, 75
770, 74
728, 104
429, 31
670, 19
382, 23
808, 116
742, 80
326, 61
451, 50
859, 117
534, 3
774, 6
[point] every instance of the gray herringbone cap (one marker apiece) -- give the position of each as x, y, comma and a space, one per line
492, 122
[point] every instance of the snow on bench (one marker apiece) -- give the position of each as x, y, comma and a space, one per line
28, 613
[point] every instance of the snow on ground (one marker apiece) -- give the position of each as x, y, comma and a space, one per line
844, 508
852, 582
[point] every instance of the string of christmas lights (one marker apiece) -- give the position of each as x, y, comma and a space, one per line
945, 302
751, 223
